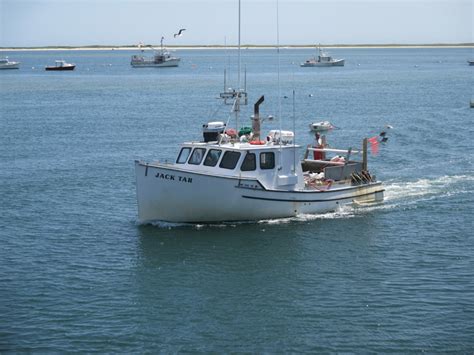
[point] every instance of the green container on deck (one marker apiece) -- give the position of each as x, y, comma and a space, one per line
244, 131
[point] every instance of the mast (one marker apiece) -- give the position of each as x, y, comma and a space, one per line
238, 73
237, 97
278, 54
237, 106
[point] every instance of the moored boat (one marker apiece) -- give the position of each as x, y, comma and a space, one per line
60, 65
323, 60
5, 63
160, 58
321, 126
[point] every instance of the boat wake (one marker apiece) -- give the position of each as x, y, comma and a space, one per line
343, 212
397, 195
426, 189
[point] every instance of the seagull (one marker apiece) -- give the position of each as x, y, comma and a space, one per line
180, 33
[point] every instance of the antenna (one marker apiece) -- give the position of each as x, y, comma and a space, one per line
225, 76
238, 73
294, 133
245, 79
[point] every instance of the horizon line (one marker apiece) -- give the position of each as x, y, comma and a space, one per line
340, 45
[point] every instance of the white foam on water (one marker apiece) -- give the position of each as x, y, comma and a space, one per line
426, 188
162, 224
342, 212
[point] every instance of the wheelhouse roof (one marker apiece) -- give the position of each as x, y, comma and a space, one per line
239, 146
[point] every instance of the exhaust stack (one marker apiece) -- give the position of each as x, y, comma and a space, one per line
256, 119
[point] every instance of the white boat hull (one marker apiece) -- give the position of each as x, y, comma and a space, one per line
335, 63
13, 65
151, 64
173, 195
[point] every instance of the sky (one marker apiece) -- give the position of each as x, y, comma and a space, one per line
29, 23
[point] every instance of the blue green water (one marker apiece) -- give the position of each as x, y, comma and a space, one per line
78, 273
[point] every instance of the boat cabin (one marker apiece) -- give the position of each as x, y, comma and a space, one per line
275, 166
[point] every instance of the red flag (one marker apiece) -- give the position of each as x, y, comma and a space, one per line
374, 144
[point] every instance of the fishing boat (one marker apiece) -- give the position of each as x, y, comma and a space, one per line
251, 175
5, 63
321, 126
470, 62
161, 58
323, 60
60, 65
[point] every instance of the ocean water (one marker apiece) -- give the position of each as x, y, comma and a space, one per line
78, 273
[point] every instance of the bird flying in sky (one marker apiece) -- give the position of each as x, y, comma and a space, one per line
180, 32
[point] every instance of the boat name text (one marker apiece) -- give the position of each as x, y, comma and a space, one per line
174, 178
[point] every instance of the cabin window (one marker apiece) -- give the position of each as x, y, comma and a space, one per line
249, 163
267, 160
196, 157
183, 155
229, 160
212, 157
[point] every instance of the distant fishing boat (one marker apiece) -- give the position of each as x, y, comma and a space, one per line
471, 62
323, 60
161, 58
321, 126
60, 65
7, 64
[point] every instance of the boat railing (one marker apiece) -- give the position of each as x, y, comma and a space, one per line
323, 162
332, 150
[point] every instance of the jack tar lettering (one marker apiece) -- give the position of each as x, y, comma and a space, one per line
172, 177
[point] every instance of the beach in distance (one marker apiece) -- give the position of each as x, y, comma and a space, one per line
244, 46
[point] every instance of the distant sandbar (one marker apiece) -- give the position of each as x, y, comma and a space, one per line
245, 46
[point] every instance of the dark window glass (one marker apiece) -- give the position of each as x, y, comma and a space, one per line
183, 155
229, 160
212, 157
249, 162
196, 157
267, 160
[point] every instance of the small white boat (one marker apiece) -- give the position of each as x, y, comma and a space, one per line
321, 126
323, 60
7, 64
161, 58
